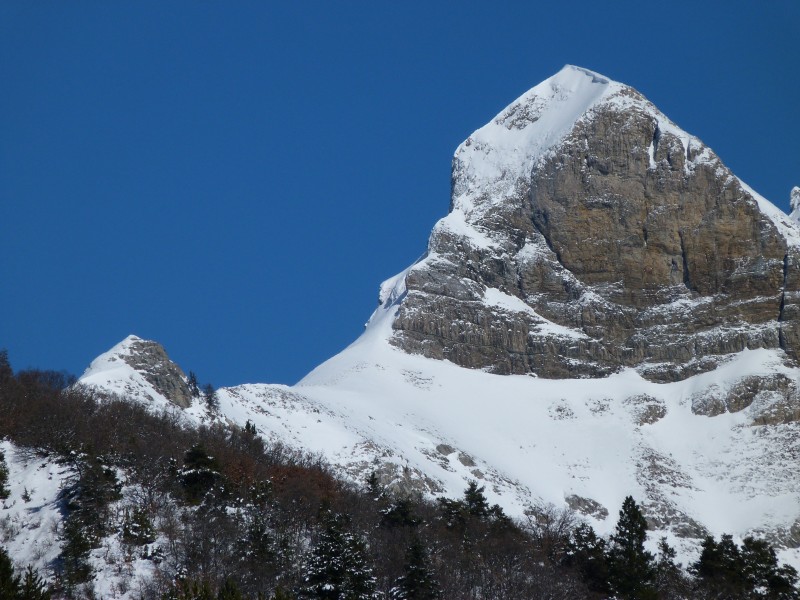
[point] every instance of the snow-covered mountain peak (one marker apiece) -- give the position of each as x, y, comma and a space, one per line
628, 312
139, 369
794, 203
491, 160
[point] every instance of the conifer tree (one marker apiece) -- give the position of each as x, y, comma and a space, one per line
33, 588
4, 491
9, 581
475, 500
631, 568
338, 567
586, 553
194, 388
418, 581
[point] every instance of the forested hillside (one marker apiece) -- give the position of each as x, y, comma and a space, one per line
154, 508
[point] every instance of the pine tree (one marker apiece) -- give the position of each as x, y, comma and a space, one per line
229, 591
586, 553
338, 568
194, 389
137, 528
399, 513
418, 581
4, 491
631, 568
33, 588
475, 500
210, 397
6, 372
669, 578
9, 582
720, 567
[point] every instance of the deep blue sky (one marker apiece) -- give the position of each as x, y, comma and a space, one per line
234, 179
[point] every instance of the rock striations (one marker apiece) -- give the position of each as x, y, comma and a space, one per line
140, 369
628, 312
588, 233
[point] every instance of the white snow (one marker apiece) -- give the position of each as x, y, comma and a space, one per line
498, 299
111, 373
30, 518
531, 441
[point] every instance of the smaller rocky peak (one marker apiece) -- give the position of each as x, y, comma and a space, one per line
140, 369
794, 203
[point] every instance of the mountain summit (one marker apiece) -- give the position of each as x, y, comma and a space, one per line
606, 311
587, 233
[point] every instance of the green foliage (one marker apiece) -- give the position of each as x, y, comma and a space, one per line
86, 524
229, 591
473, 508
190, 590
78, 542
210, 397
475, 501
194, 389
33, 588
338, 568
4, 491
418, 581
9, 581
586, 553
14, 587
400, 513
281, 594
631, 567
137, 527
751, 571
199, 473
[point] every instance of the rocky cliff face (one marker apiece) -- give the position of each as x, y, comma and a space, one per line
588, 233
140, 369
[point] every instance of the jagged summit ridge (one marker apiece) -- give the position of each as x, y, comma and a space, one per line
620, 249
141, 369
589, 233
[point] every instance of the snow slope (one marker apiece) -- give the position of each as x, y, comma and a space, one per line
430, 427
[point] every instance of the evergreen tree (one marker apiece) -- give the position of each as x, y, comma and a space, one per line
210, 397
229, 591
4, 491
751, 571
418, 581
669, 579
400, 513
137, 528
9, 581
281, 594
761, 570
6, 372
338, 568
199, 473
719, 567
374, 486
33, 588
475, 500
586, 553
194, 389
631, 568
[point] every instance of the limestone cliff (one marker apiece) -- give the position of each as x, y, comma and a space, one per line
587, 233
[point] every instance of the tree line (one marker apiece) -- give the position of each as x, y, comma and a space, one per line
223, 515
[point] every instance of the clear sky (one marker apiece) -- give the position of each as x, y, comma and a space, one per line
235, 179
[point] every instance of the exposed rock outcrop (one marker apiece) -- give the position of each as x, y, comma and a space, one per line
150, 359
588, 233
139, 369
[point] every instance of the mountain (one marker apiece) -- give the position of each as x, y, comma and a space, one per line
606, 310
